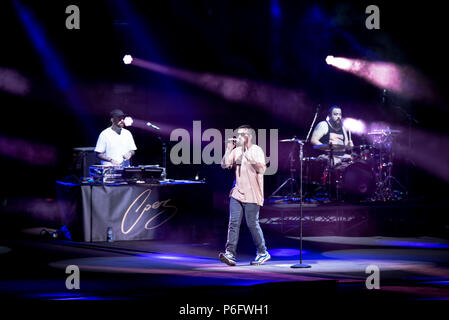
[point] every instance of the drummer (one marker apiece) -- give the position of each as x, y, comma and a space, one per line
332, 131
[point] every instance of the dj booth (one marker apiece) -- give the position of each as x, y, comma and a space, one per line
175, 210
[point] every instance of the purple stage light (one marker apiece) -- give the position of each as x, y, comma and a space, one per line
414, 244
402, 80
13, 82
355, 126
383, 75
344, 63
169, 257
127, 59
286, 103
428, 151
285, 252
31, 152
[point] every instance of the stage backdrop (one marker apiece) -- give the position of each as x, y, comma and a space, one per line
176, 210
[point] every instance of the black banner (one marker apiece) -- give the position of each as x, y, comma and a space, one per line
137, 212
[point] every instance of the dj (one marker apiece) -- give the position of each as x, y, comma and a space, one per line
332, 131
115, 145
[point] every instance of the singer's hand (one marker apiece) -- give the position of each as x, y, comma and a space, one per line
230, 145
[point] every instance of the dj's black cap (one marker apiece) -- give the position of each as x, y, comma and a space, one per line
117, 113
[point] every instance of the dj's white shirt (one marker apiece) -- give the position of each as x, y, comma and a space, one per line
115, 145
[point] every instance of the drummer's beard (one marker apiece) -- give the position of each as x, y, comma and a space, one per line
336, 124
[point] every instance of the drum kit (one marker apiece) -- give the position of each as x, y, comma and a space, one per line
363, 174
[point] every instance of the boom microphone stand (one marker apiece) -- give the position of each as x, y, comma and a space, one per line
301, 145
300, 264
164, 157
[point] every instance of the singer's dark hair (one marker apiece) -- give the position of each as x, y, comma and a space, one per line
332, 108
245, 126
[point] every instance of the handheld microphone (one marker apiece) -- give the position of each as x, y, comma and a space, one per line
149, 124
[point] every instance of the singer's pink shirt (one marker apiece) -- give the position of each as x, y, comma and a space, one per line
248, 185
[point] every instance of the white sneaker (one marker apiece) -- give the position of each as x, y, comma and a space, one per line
227, 258
261, 259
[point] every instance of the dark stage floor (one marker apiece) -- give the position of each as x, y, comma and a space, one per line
411, 269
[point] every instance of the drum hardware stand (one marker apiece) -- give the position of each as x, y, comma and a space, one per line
291, 180
384, 190
410, 121
383, 185
329, 173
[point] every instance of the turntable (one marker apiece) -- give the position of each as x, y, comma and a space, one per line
108, 174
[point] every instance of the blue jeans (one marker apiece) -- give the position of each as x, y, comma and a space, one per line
251, 210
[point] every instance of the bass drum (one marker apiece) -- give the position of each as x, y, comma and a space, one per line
355, 181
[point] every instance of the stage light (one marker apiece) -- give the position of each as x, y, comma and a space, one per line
13, 82
31, 152
354, 125
127, 59
402, 80
48, 54
128, 121
276, 11
280, 101
343, 63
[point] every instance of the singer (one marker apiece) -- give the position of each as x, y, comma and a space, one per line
246, 197
115, 145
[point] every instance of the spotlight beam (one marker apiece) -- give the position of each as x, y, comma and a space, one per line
287, 103
402, 80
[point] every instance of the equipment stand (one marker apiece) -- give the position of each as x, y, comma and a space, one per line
291, 180
300, 264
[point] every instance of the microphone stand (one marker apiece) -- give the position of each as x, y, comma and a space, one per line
164, 156
310, 131
301, 145
313, 123
410, 121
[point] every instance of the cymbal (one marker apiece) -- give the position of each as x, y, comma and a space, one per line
384, 132
327, 147
291, 140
